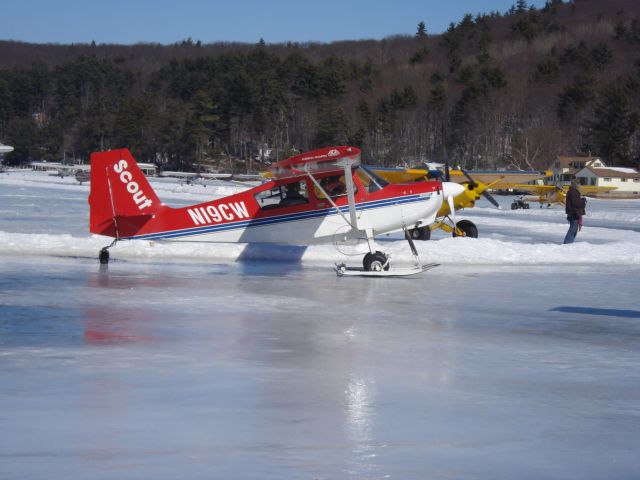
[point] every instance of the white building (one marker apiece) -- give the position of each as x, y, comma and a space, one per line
592, 171
565, 168
626, 180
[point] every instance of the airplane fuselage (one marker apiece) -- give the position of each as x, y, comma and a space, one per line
240, 218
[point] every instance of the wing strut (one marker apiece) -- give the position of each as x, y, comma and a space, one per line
346, 163
350, 196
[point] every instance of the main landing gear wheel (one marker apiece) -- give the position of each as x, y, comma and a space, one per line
422, 233
519, 204
375, 262
468, 229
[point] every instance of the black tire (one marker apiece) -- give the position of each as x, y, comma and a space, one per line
468, 229
514, 206
422, 233
526, 206
103, 256
373, 262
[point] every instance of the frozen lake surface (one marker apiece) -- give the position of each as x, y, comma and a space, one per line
517, 358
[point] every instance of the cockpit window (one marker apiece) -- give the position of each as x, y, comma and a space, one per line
370, 180
294, 193
335, 186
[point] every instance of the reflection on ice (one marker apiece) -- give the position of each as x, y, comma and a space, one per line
360, 409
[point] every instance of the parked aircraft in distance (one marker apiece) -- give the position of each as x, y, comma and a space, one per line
476, 184
550, 194
5, 149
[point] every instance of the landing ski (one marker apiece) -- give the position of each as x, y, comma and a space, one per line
343, 271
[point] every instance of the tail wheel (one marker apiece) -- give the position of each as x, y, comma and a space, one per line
375, 262
422, 233
103, 256
468, 229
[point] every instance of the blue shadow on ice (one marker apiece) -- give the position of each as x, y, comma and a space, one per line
267, 251
270, 259
609, 312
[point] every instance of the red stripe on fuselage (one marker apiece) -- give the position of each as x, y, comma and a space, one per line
243, 206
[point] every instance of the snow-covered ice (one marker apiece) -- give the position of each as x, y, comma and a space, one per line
517, 358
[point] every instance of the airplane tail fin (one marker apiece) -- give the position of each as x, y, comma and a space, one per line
121, 199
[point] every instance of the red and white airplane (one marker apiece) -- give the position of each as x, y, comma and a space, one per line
323, 196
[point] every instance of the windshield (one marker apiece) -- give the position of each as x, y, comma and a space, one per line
370, 180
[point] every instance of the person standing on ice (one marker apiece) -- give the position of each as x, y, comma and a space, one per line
575, 206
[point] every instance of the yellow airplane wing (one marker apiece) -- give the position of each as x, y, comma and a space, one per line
500, 179
401, 175
533, 189
392, 175
543, 189
497, 178
586, 189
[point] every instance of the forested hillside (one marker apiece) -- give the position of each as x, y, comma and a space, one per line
510, 89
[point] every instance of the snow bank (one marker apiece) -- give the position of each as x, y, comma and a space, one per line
445, 251
520, 237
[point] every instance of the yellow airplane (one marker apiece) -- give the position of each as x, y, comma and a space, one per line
550, 194
476, 182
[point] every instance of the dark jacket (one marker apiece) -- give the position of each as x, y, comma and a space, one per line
575, 205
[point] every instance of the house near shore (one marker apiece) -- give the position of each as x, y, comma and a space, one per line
626, 180
565, 168
592, 171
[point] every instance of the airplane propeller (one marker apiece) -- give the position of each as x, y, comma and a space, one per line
451, 190
452, 209
473, 184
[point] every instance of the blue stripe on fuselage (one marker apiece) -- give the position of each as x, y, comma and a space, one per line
256, 222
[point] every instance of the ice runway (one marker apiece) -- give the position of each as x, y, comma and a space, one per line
241, 371
517, 358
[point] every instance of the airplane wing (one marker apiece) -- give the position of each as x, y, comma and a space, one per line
503, 178
322, 160
585, 189
497, 178
187, 175
542, 189
533, 189
401, 175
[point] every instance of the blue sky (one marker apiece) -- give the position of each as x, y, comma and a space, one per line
163, 21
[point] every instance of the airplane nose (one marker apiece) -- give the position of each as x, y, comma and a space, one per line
451, 189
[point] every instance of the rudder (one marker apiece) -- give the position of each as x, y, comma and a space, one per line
121, 199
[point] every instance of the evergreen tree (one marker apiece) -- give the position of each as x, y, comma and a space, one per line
575, 97
22, 132
420, 55
438, 98
333, 128
521, 6
422, 30
613, 126
201, 125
